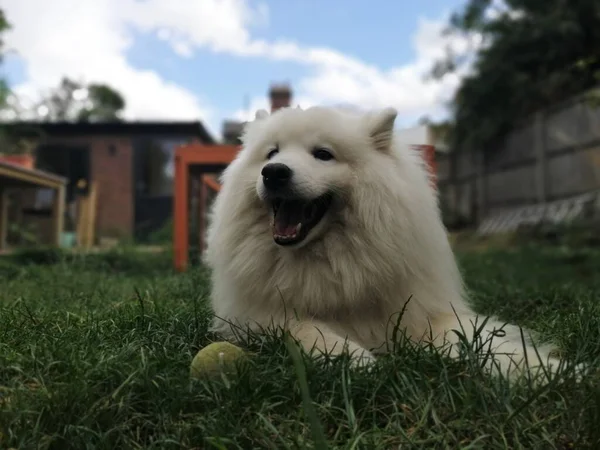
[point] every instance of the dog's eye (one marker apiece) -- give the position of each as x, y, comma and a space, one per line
322, 154
272, 152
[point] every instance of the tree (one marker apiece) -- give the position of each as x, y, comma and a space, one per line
105, 104
71, 101
533, 53
75, 101
4, 91
8, 143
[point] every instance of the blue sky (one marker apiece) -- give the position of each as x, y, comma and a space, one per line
177, 59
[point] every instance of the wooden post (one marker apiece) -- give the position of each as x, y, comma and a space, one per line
540, 158
82, 214
3, 217
92, 209
180, 215
203, 200
58, 213
480, 186
450, 183
185, 157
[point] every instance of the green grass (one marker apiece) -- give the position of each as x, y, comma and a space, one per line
95, 353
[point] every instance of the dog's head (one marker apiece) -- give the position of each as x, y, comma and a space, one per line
305, 162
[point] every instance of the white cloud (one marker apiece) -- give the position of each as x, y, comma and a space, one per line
406, 87
90, 38
337, 78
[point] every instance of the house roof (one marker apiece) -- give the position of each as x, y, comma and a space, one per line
124, 128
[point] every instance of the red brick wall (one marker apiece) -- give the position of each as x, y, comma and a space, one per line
113, 173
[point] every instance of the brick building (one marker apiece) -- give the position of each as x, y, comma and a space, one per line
131, 163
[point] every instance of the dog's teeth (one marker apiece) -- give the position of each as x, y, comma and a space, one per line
289, 237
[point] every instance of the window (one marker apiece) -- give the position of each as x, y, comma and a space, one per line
154, 165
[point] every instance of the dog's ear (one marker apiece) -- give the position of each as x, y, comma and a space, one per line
261, 114
381, 127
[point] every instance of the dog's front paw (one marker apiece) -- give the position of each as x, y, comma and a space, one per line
361, 358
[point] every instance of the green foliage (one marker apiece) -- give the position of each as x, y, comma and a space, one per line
533, 54
10, 143
4, 90
22, 234
19, 139
70, 101
95, 353
105, 104
4, 93
162, 236
4, 26
75, 101
122, 260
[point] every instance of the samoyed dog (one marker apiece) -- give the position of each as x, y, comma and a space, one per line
328, 227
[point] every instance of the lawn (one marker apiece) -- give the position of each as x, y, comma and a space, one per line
95, 353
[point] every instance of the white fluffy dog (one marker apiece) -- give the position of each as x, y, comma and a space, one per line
328, 227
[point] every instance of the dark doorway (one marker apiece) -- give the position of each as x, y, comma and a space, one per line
153, 178
71, 162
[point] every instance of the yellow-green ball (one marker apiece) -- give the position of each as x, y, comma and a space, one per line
214, 358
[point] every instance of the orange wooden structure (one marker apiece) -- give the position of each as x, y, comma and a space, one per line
429, 156
195, 161
203, 161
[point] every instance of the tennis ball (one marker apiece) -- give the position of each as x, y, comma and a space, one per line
214, 358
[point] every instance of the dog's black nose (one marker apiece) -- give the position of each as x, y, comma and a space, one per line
276, 175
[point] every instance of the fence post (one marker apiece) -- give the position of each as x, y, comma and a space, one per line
540, 158
451, 196
480, 190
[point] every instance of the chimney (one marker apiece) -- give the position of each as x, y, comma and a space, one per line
280, 95
232, 131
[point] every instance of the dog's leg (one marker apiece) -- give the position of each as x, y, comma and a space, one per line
314, 335
504, 340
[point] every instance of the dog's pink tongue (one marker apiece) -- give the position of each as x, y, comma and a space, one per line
284, 229
286, 220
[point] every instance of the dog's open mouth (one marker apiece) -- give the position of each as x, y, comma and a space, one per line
294, 218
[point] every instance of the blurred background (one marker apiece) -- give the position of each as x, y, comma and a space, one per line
98, 95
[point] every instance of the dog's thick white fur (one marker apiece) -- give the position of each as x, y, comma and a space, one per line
380, 245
